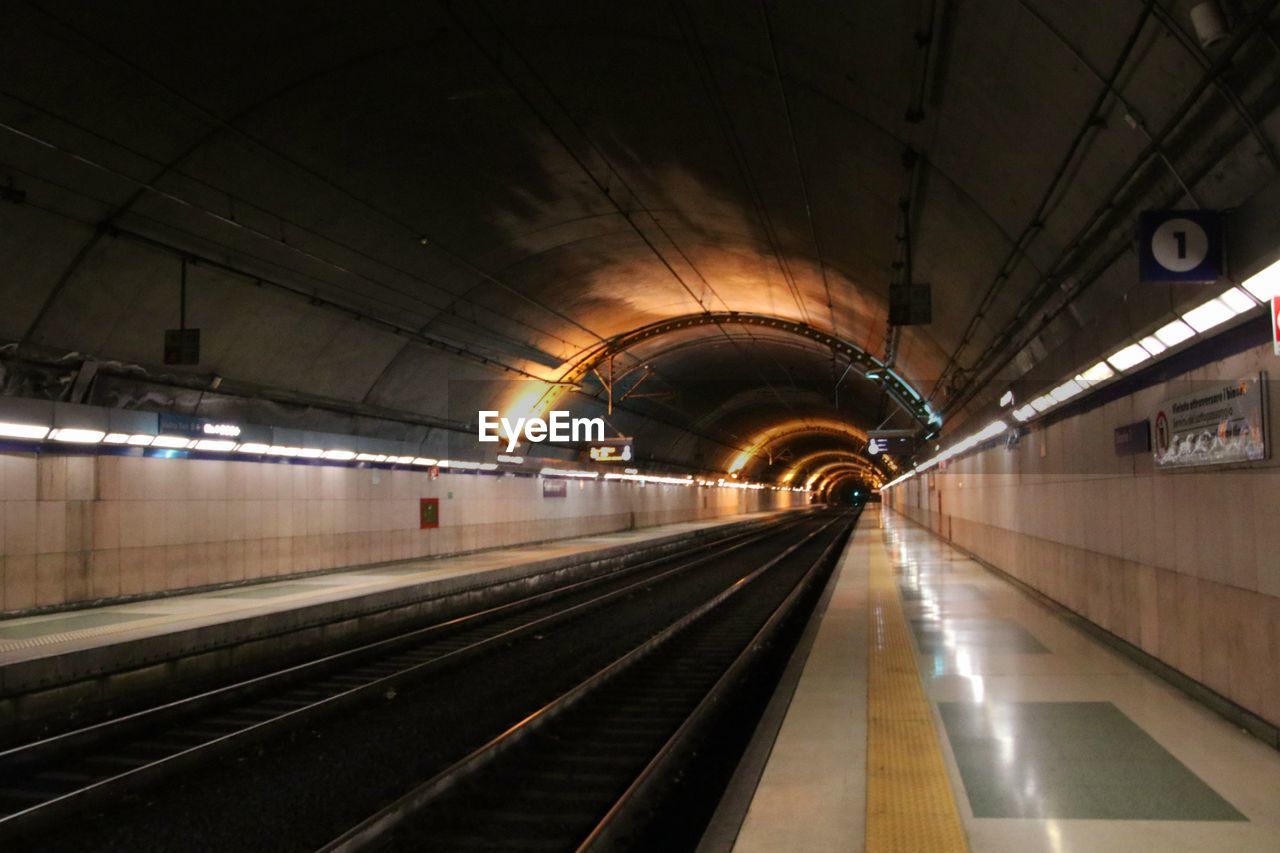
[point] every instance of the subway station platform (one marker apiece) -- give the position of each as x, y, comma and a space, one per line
48, 649
938, 707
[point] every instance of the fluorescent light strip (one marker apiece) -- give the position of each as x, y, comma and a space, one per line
1100, 372
1130, 356
1174, 333
171, 441
339, 455
253, 448
564, 472
310, 453
1066, 391
115, 438
72, 435
1237, 300
10, 430
1204, 317
1152, 344
215, 445
1265, 284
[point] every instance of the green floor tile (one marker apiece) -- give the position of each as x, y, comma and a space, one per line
988, 635
1071, 760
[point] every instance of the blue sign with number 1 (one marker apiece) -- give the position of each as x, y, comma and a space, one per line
1180, 246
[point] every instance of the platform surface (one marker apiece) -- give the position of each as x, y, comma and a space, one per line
1050, 740
48, 635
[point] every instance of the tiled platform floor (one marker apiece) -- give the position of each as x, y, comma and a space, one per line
1053, 742
48, 635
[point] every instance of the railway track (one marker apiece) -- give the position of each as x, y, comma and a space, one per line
48, 779
598, 767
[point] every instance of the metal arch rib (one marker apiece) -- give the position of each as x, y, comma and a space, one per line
904, 394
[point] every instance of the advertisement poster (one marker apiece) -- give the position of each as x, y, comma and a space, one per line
1220, 424
428, 513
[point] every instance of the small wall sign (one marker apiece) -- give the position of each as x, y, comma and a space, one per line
428, 513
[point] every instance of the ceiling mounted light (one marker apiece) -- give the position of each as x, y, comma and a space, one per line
1265, 284
215, 445
1007, 399
1126, 358
1152, 345
1100, 372
1025, 413
1204, 317
1237, 300
1043, 403
9, 430
173, 442
78, 436
1066, 390
1174, 333
339, 455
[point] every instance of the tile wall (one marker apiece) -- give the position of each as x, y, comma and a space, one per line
84, 528
1183, 564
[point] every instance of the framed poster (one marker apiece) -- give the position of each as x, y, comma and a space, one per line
428, 513
1220, 424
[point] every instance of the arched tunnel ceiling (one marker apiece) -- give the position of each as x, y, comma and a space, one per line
402, 209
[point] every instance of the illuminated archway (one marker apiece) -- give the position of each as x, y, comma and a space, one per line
762, 441
818, 479
835, 453
577, 369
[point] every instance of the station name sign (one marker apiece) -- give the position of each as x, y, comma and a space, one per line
891, 441
197, 427
558, 426
1219, 425
612, 450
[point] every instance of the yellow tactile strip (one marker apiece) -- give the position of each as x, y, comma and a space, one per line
910, 804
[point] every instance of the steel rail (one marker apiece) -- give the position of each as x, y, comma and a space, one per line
626, 815
224, 699
376, 827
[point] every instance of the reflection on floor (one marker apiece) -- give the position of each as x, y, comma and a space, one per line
1053, 741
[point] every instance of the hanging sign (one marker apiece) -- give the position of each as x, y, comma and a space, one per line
611, 450
1217, 425
1180, 246
892, 441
